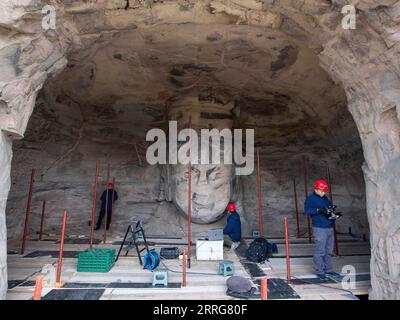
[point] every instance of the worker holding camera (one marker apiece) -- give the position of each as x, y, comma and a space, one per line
323, 216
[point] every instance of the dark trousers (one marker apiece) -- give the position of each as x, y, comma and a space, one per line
323, 238
101, 217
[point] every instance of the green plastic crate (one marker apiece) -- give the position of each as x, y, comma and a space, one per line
96, 260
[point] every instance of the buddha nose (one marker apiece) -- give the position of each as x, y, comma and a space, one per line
203, 177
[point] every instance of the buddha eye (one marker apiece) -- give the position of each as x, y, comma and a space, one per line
213, 174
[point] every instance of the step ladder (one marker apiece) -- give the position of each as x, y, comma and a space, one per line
136, 236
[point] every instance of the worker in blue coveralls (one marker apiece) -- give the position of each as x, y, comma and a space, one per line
232, 230
110, 190
316, 205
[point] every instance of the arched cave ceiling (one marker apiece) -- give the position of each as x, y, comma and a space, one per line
124, 80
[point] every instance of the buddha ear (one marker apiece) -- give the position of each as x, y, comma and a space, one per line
165, 183
235, 188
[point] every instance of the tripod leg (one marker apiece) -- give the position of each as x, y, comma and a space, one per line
138, 252
122, 244
145, 241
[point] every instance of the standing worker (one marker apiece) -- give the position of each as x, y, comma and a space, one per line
316, 205
232, 231
110, 190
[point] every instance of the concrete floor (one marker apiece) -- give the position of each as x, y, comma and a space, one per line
353, 252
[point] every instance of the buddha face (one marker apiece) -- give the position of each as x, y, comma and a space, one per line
211, 184
211, 189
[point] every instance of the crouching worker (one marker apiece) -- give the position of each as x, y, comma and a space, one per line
316, 205
232, 230
110, 189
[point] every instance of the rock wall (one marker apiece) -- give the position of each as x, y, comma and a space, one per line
364, 61
5, 164
63, 146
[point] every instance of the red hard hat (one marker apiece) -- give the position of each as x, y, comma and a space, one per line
321, 185
231, 207
110, 185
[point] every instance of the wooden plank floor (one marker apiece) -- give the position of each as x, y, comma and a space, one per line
199, 286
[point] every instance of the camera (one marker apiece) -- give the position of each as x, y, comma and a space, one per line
332, 214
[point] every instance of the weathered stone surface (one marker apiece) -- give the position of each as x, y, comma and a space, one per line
127, 60
5, 164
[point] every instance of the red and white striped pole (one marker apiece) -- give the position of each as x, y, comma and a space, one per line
297, 208
60, 255
106, 213
286, 227
184, 268
42, 220
96, 179
306, 195
28, 212
37, 295
112, 206
264, 291
260, 214
189, 199
328, 175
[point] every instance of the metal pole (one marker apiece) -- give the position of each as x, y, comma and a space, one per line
112, 206
189, 198
38, 288
306, 194
184, 268
264, 291
285, 222
60, 256
28, 211
42, 220
297, 208
260, 217
328, 175
96, 179
106, 215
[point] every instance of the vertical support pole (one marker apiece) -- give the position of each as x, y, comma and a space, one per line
28, 212
306, 195
297, 208
184, 268
60, 255
38, 288
106, 215
42, 220
328, 176
285, 221
264, 291
260, 216
112, 206
189, 197
96, 179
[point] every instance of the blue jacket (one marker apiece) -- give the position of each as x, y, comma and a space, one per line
314, 202
233, 227
110, 200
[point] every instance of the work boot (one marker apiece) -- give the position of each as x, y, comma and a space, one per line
333, 274
234, 246
322, 277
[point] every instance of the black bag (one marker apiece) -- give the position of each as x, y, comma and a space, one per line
259, 250
169, 253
